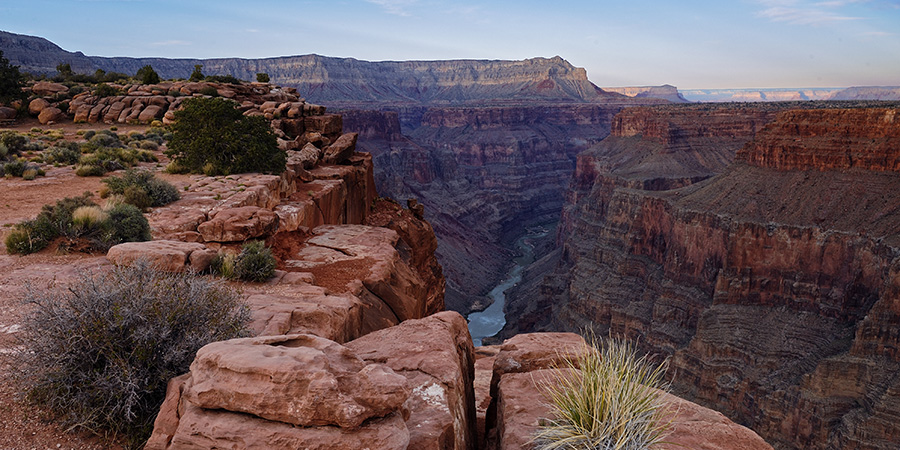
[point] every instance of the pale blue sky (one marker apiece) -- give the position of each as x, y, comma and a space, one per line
690, 44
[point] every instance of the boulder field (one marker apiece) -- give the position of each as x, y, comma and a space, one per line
757, 248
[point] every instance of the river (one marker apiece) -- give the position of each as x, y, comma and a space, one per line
489, 322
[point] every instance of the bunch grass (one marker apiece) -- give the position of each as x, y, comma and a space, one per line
608, 399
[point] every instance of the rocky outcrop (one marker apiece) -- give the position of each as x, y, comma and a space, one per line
295, 391
436, 355
170, 256
771, 285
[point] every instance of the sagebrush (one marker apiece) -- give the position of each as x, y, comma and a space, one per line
99, 353
142, 188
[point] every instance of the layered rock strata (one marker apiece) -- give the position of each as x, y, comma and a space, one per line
483, 176
771, 285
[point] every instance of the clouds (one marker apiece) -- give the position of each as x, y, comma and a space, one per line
396, 7
807, 13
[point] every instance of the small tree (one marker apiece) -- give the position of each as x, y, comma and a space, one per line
147, 75
65, 70
212, 136
11, 82
262, 77
197, 74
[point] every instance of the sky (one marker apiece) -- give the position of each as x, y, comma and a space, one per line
689, 44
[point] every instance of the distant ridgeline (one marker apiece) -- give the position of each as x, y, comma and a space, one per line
333, 80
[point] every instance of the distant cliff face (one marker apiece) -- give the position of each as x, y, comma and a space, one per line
772, 286
334, 81
665, 92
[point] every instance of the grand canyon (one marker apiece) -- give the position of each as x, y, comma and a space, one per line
754, 245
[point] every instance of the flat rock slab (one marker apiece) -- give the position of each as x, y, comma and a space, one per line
295, 379
239, 224
169, 256
206, 429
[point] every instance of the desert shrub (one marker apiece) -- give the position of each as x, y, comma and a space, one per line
212, 136
89, 171
197, 73
230, 79
262, 77
63, 153
14, 142
608, 399
147, 75
255, 262
89, 134
126, 224
100, 354
105, 90
223, 265
11, 82
14, 168
79, 219
210, 91
53, 221
142, 189
29, 174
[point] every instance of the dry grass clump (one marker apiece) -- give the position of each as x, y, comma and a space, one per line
609, 400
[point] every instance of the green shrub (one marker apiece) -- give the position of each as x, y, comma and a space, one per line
53, 221
14, 142
29, 174
65, 153
89, 134
230, 79
210, 91
127, 224
147, 75
89, 171
211, 135
100, 354
142, 189
197, 73
105, 90
14, 168
608, 399
254, 263
222, 265
262, 77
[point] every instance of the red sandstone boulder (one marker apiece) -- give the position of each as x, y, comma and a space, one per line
341, 150
326, 125
48, 88
435, 355
37, 105
50, 115
203, 429
170, 256
239, 224
298, 379
700, 428
150, 113
306, 309
7, 113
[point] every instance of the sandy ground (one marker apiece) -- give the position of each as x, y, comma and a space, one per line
23, 426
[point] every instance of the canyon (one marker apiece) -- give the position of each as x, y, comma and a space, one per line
752, 244
756, 247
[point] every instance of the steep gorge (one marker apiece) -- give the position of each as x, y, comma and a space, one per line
772, 285
483, 174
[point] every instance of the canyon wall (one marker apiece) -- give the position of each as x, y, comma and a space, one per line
483, 175
346, 80
772, 285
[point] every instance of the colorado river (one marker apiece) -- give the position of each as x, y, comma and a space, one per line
489, 322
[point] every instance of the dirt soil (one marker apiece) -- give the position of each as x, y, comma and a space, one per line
23, 426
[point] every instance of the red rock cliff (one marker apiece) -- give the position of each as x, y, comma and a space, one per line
864, 138
773, 288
